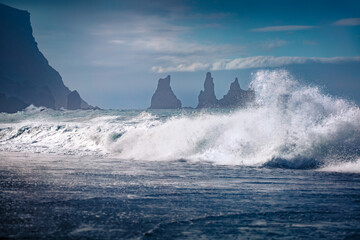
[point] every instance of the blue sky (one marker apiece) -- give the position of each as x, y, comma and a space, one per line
113, 52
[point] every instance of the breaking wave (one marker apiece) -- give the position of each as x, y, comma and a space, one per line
292, 126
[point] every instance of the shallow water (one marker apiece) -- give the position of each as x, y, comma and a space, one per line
67, 197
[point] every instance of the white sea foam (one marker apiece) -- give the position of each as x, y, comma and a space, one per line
292, 125
347, 167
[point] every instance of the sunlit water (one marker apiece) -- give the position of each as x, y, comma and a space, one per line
287, 167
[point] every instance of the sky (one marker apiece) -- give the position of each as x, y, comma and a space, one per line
113, 52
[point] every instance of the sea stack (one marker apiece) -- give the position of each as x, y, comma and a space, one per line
25, 73
236, 97
73, 101
207, 98
164, 97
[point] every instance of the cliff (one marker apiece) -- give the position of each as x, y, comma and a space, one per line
24, 72
207, 98
164, 97
11, 104
236, 97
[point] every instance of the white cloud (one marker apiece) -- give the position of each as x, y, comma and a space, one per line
173, 45
270, 61
117, 41
270, 45
182, 68
282, 28
250, 62
348, 22
151, 40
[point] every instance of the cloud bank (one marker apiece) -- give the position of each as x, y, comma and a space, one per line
348, 22
251, 62
282, 28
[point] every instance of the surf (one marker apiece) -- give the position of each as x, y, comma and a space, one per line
292, 125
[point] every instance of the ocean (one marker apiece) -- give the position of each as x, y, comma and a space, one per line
287, 167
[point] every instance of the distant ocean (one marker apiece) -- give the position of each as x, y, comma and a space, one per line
286, 168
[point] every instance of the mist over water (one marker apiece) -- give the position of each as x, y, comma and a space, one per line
292, 125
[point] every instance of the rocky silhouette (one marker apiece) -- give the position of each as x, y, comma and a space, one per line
164, 97
24, 72
73, 101
207, 98
11, 104
236, 97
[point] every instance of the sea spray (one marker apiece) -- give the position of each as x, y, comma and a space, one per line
292, 125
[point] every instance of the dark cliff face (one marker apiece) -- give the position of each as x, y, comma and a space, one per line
24, 71
236, 97
11, 104
207, 98
164, 97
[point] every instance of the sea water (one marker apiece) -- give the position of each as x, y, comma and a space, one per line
286, 167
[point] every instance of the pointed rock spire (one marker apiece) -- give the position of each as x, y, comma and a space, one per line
207, 97
164, 97
236, 97
73, 101
235, 86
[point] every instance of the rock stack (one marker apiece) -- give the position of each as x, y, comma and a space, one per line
164, 97
73, 101
236, 97
207, 98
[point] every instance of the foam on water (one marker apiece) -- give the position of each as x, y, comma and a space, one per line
346, 167
292, 125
